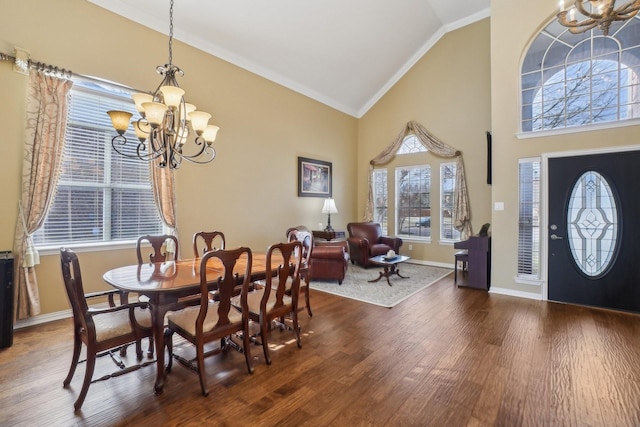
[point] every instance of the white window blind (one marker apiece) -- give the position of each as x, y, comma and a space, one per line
529, 219
101, 196
447, 190
380, 198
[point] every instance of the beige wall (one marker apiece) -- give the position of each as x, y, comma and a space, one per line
466, 84
249, 191
448, 92
509, 42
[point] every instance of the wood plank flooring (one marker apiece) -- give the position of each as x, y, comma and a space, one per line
446, 357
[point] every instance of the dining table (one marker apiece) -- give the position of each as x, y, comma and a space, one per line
165, 283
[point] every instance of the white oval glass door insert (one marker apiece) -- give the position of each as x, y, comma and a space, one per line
592, 224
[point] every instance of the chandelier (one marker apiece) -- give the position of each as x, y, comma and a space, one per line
600, 13
169, 128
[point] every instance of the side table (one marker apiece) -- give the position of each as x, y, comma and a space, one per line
329, 235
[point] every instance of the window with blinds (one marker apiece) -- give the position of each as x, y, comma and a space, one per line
529, 219
380, 198
101, 196
447, 190
413, 202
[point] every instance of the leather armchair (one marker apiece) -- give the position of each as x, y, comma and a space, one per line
366, 241
328, 260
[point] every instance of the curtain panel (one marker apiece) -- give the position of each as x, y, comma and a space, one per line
46, 126
461, 208
163, 187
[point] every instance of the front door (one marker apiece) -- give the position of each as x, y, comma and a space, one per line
594, 230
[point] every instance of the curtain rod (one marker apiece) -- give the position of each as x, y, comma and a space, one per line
23, 64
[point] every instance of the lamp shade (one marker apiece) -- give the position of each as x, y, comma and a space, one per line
329, 207
199, 121
210, 133
120, 120
172, 95
141, 98
154, 112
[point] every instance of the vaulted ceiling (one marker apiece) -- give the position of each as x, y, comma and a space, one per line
343, 53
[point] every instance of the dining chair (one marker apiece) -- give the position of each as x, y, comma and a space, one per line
306, 238
278, 298
211, 240
214, 320
157, 242
104, 331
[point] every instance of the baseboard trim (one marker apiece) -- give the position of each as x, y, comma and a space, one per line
42, 318
431, 263
513, 293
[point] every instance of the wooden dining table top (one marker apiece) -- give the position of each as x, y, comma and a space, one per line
176, 276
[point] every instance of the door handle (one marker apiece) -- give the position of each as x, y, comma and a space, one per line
554, 237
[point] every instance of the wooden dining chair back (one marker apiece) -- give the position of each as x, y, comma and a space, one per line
205, 241
102, 330
279, 296
158, 246
306, 238
230, 270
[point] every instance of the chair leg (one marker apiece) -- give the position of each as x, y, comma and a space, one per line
246, 344
77, 346
91, 364
201, 372
306, 299
264, 330
296, 328
168, 341
151, 347
455, 273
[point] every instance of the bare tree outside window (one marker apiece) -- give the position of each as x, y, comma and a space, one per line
413, 201
582, 93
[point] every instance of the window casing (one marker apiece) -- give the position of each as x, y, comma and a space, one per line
413, 202
447, 190
101, 196
529, 219
570, 80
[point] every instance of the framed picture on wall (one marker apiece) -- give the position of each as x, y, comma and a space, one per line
314, 178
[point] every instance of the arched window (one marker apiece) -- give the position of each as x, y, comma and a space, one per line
571, 80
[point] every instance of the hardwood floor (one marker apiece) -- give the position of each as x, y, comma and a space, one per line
446, 357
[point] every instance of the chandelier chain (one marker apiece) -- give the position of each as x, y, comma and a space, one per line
171, 32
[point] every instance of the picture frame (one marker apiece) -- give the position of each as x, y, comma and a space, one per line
315, 178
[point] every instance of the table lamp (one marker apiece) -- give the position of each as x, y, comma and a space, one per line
329, 208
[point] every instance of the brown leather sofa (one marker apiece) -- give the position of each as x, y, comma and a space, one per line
366, 241
328, 260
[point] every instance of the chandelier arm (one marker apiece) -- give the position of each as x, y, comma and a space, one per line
562, 17
584, 12
143, 153
208, 150
581, 27
628, 11
156, 143
121, 141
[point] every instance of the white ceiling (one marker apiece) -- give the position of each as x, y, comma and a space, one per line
343, 53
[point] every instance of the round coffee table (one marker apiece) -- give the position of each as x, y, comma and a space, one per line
390, 266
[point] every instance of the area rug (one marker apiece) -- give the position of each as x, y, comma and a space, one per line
356, 283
